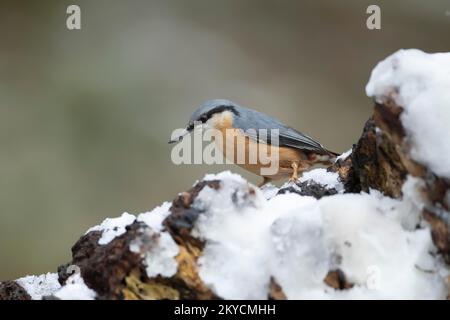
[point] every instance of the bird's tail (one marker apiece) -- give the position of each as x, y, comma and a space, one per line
333, 155
327, 157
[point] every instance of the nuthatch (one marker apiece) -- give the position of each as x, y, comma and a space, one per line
297, 152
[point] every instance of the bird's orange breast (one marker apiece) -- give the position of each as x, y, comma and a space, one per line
252, 155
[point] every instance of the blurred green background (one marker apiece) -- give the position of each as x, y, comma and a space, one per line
85, 116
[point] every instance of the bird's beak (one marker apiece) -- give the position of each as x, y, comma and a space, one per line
178, 136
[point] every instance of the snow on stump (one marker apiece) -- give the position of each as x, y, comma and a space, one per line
375, 225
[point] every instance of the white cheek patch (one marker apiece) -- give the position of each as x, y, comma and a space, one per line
214, 121
210, 124
221, 120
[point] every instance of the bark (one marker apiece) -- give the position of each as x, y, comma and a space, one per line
380, 160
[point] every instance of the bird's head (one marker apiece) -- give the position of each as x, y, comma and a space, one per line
211, 114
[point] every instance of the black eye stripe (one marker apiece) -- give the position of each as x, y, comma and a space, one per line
210, 113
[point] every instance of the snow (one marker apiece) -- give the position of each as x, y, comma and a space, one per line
159, 253
420, 84
321, 176
113, 227
363, 231
251, 236
225, 176
155, 218
160, 250
269, 191
40, 286
75, 289
229, 252
413, 202
328, 180
344, 155
47, 285
297, 240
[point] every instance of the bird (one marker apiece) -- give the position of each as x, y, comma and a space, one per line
297, 151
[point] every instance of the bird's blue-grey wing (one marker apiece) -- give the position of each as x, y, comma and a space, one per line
252, 121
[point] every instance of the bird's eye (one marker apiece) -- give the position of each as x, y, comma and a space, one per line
203, 118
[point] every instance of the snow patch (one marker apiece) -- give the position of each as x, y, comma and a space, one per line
155, 218
376, 253
159, 253
113, 227
297, 240
419, 82
230, 251
75, 289
269, 191
323, 177
157, 247
225, 176
40, 286
344, 155
413, 202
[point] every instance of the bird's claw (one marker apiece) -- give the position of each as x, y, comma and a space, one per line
293, 180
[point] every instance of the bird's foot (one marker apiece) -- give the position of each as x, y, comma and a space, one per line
293, 180
294, 177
